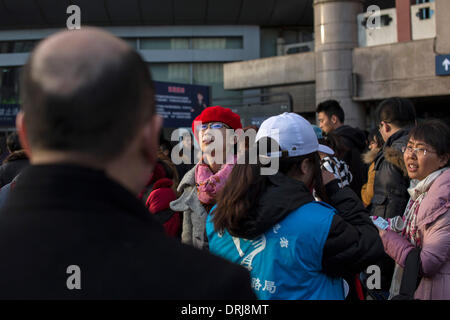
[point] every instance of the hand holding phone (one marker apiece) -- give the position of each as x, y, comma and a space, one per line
379, 222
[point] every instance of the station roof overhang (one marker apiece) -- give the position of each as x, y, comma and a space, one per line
31, 14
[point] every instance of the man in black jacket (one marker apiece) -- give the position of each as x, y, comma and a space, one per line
331, 117
73, 227
396, 116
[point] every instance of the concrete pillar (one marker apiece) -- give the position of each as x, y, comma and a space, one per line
442, 27
403, 20
336, 34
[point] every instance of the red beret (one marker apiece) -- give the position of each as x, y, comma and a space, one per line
218, 114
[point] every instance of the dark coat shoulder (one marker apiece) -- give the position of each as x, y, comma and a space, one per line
353, 242
75, 216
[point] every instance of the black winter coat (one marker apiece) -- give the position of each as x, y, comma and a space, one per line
63, 215
353, 242
390, 189
355, 141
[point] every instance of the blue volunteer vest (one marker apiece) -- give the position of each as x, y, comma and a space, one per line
285, 262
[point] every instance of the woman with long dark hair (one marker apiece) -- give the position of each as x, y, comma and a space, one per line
294, 246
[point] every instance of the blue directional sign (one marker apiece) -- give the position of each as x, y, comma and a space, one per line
443, 65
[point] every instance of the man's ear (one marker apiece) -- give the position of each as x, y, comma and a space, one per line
22, 132
334, 119
150, 135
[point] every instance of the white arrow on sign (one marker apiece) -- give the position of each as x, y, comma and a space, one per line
446, 64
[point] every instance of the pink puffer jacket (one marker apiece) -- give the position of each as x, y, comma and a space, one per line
433, 222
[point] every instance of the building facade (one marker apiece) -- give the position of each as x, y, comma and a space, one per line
259, 57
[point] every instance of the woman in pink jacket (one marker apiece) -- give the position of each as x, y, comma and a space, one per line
426, 221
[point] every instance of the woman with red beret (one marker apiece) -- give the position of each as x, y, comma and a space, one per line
199, 187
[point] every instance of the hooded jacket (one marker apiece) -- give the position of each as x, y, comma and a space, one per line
355, 140
288, 230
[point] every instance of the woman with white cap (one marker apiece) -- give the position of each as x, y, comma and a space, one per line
293, 246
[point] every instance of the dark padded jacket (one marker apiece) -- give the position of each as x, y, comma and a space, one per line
390, 190
353, 242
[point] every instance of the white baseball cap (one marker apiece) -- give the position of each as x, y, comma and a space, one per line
293, 133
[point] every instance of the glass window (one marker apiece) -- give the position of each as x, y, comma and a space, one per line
191, 43
17, 46
9, 85
171, 72
207, 73
23, 46
164, 43
268, 45
217, 43
5, 47
211, 74
235, 43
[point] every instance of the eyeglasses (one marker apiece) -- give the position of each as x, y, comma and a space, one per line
417, 151
213, 125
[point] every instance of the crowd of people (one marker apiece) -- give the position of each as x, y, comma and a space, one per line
102, 193
256, 216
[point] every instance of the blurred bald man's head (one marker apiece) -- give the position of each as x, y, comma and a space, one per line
87, 92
